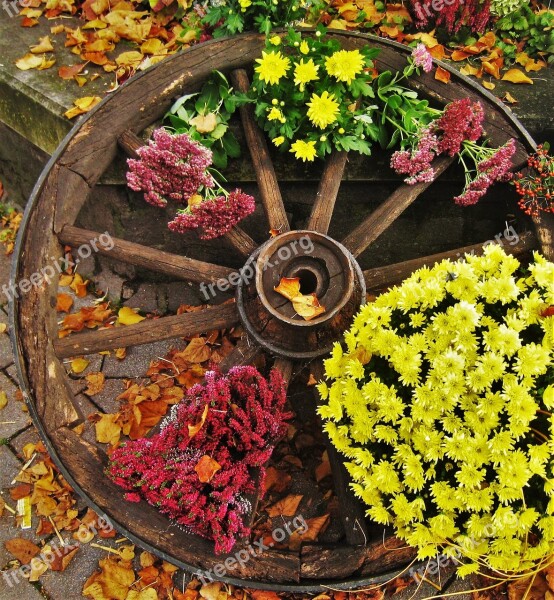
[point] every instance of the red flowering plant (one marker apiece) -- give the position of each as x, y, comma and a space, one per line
426, 133
474, 14
536, 187
175, 167
198, 469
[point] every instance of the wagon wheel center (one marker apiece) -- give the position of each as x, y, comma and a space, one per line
324, 269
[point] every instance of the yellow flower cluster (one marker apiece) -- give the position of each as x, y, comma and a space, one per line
440, 401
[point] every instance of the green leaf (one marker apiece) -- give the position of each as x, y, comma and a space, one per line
394, 101
231, 145
219, 131
384, 79
219, 157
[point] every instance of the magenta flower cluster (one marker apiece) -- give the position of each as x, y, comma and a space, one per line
170, 167
496, 167
461, 121
451, 15
214, 216
245, 418
422, 58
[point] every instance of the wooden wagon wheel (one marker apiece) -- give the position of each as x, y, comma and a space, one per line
331, 271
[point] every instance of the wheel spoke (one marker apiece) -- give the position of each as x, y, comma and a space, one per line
388, 211
245, 353
327, 192
385, 276
265, 173
223, 316
284, 366
351, 510
143, 256
237, 237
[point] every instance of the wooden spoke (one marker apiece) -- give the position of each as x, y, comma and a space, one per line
284, 366
145, 332
265, 173
239, 239
351, 510
143, 256
327, 192
381, 218
245, 353
385, 276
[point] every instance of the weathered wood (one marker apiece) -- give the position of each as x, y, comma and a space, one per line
71, 191
389, 210
261, 161
285, 367
245, 353
339, 562
544, 226
381, 277
352, 512
145, 332
241, 241
324, 203
130, 143
143, 256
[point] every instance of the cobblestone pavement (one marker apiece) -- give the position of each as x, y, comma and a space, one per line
16, 430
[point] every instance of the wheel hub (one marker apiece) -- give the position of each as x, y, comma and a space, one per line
325, 268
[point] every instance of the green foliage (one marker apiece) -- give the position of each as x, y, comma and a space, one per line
536, 29
205, 117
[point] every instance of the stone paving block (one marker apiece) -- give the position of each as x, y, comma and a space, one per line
106, 399
28, 436
109, 283
138, 359
20, 591
95, 365
172, 295
145, 298
12, 372
12, 418
6, 355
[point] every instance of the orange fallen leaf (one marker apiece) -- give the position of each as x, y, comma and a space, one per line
516, 76
194, 429
492, 67
276, 480
510, 99
107, 430
197, 351
113, 581
63, 557
264, 595
95, 383
469, 70
64, 302
78, 365
289, 287
442, 75
44, 45
285, 507
308, 307
206, 468
71, 72
458, 55
316, 526
28, 22
82, 105
79, 286
24, 550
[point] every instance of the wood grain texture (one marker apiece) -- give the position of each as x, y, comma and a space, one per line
240, 241
324, 204
388, 211
223, 316
381, 277
130, 143
148, 258
245, 353
261, 161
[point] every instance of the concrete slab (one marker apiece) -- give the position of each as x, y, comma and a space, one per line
138, 359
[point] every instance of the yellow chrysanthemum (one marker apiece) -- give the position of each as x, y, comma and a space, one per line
304, 72
272, 66
304, 150
274, 114
278, 140
344, 65
322, 110
304, 47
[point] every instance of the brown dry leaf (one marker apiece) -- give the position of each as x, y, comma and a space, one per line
459, 55
308, 307
78, 285
24, 550
38, 568
530, 588
194, 429
324, 468
28, 22
442, 75
264, 595
206, 468
108, 431
82, 105
63, 557
437, 51
95, 383
204, 123
64, 302
21, 491
143, 417
71, 72
120, 353
285, 507
516, 76
316, 526
197, 351
276, 480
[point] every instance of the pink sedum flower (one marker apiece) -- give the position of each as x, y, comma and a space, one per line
422, 58
462, 120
